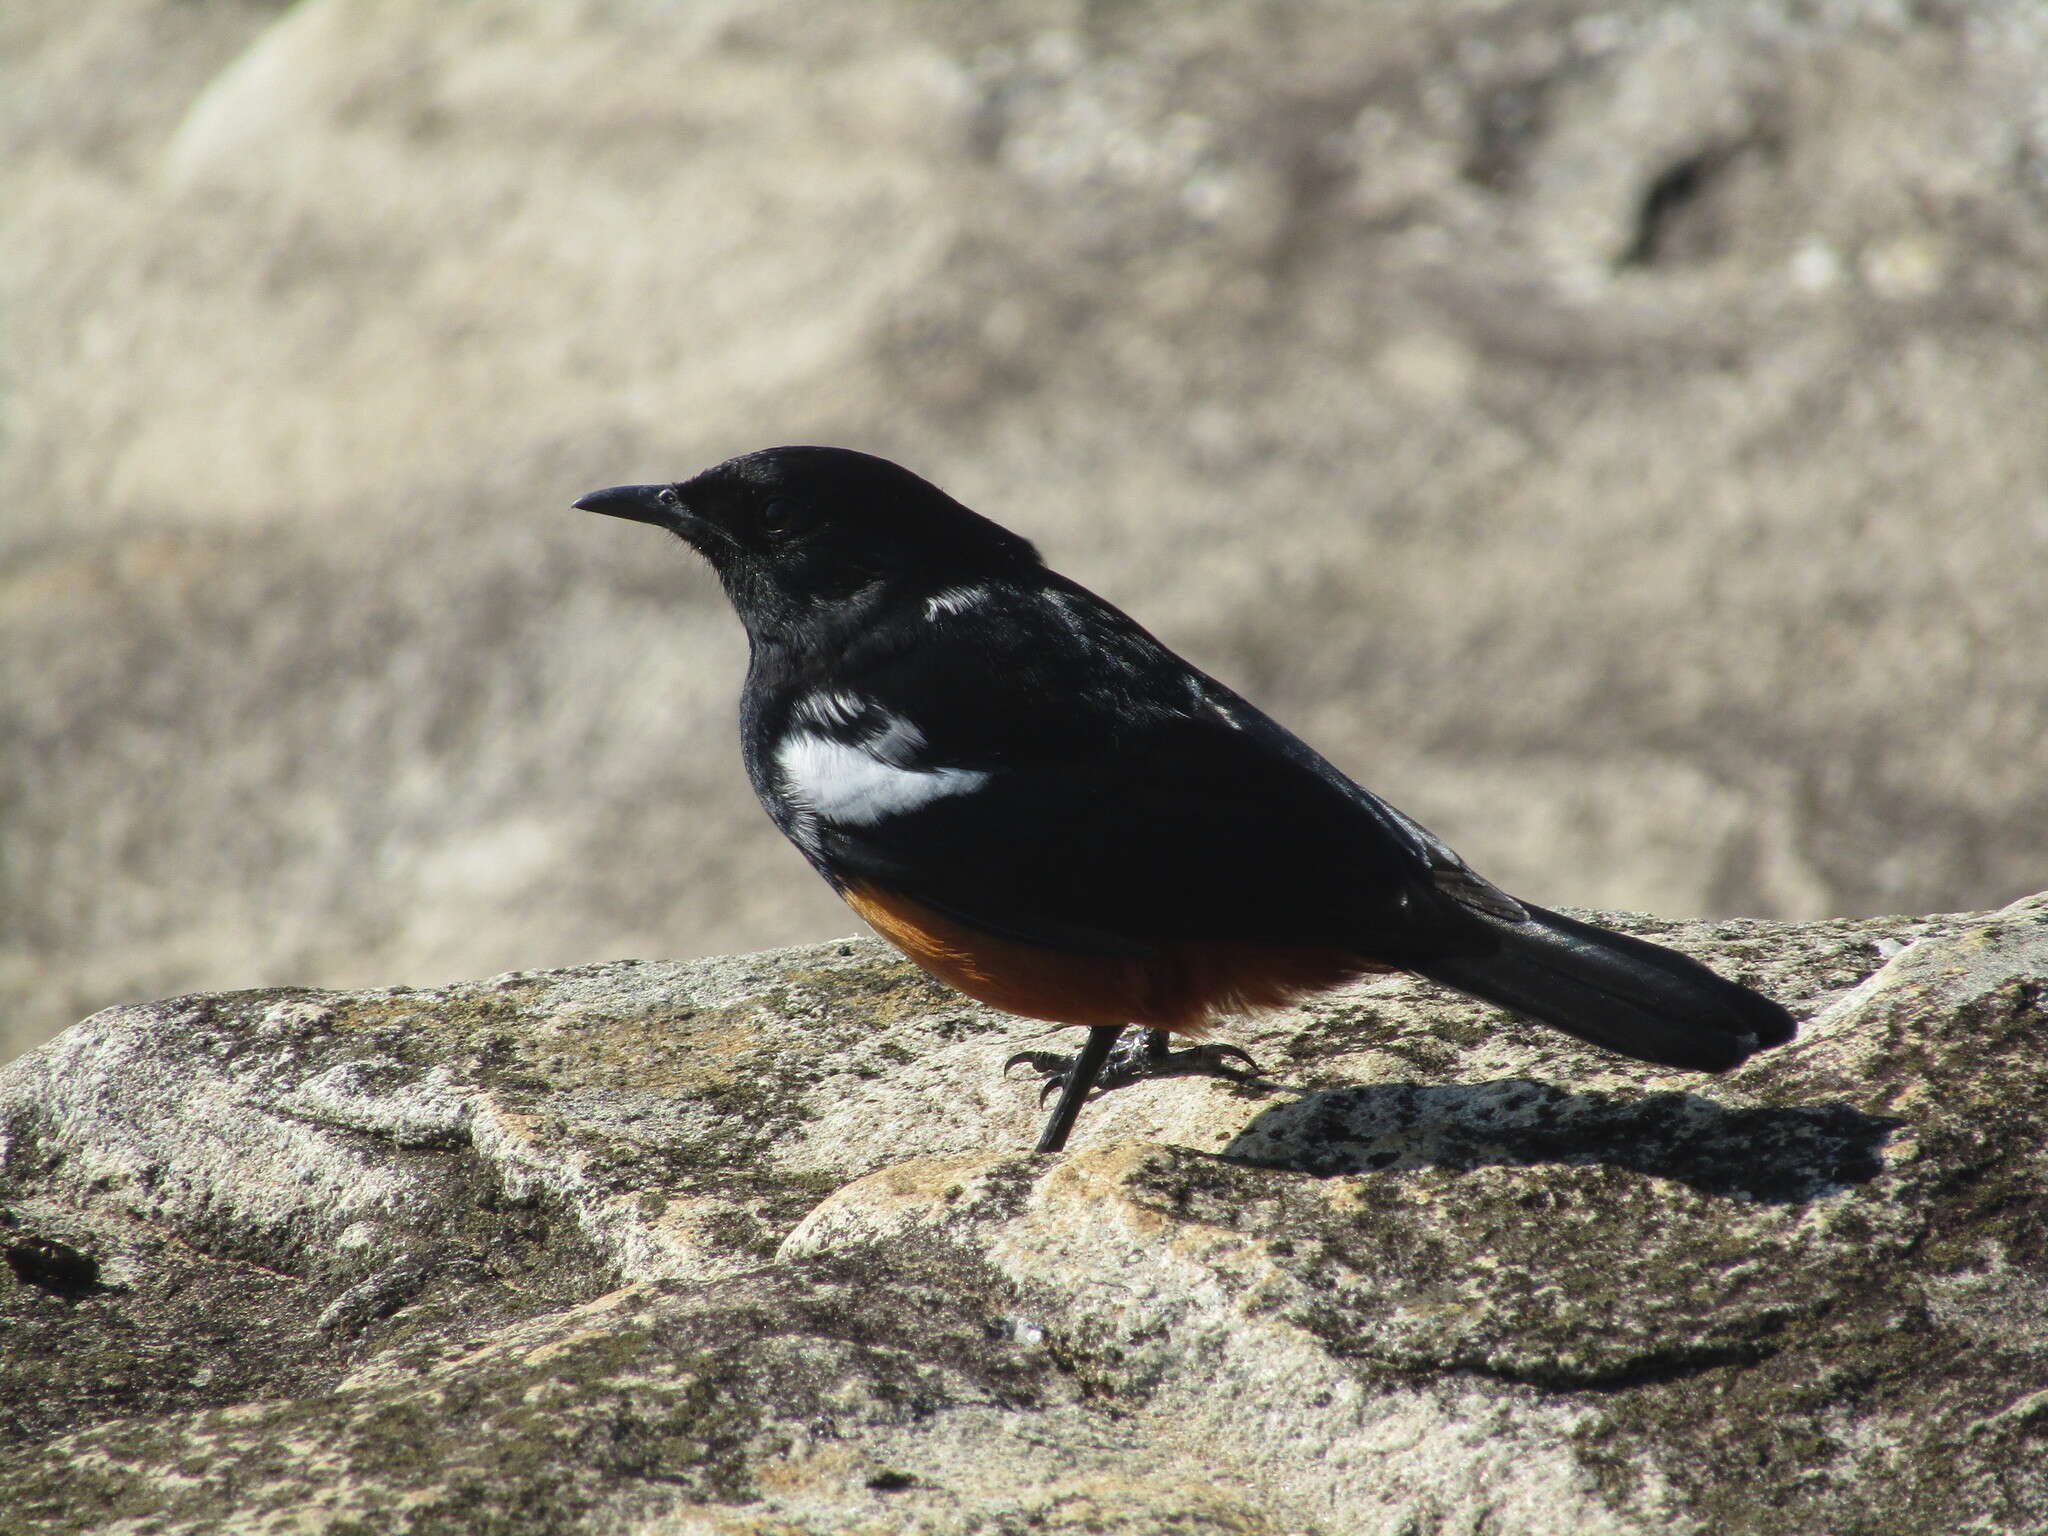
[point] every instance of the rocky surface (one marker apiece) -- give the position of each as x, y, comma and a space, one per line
1611, 429
752, 1245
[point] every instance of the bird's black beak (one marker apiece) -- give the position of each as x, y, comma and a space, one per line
641, 503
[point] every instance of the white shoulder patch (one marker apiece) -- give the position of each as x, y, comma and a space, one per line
856, 784
829, 708
1224, 713
954, 600
1069, 610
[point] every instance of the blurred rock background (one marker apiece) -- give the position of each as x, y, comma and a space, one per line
1617, 432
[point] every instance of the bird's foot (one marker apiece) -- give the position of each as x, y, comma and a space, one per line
1138, 1056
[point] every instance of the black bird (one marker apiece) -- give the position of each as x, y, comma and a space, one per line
1043, 806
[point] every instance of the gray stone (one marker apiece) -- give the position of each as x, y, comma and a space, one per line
753, 1245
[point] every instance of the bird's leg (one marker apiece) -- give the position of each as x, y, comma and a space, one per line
1080, 1078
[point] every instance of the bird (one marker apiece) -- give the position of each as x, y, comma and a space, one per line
1043, 806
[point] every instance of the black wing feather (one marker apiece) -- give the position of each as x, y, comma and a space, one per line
1129, 799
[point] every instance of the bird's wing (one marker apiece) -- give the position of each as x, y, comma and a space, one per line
1150, 806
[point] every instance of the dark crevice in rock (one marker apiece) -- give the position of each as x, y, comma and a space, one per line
1650, 1371
1677, 188
52, 1266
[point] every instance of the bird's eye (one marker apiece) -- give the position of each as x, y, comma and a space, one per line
782, 516
668, 497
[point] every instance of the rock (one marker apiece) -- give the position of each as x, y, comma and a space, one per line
753, 1245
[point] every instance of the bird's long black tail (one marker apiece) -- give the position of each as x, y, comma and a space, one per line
1630, 996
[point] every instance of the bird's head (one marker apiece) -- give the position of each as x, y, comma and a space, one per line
794, 533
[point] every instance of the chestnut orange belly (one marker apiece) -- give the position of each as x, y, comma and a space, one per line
1182, 986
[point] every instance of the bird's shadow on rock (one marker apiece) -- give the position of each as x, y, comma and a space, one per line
1781, 1156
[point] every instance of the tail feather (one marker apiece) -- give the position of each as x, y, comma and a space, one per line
1623, 993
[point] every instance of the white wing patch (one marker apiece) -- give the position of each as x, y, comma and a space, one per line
856, 784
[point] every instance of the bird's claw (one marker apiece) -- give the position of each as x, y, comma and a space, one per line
1048, 1065
1213, 1057
1150, 1060
1140, 1056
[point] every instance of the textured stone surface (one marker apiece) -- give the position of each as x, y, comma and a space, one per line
751, 1245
